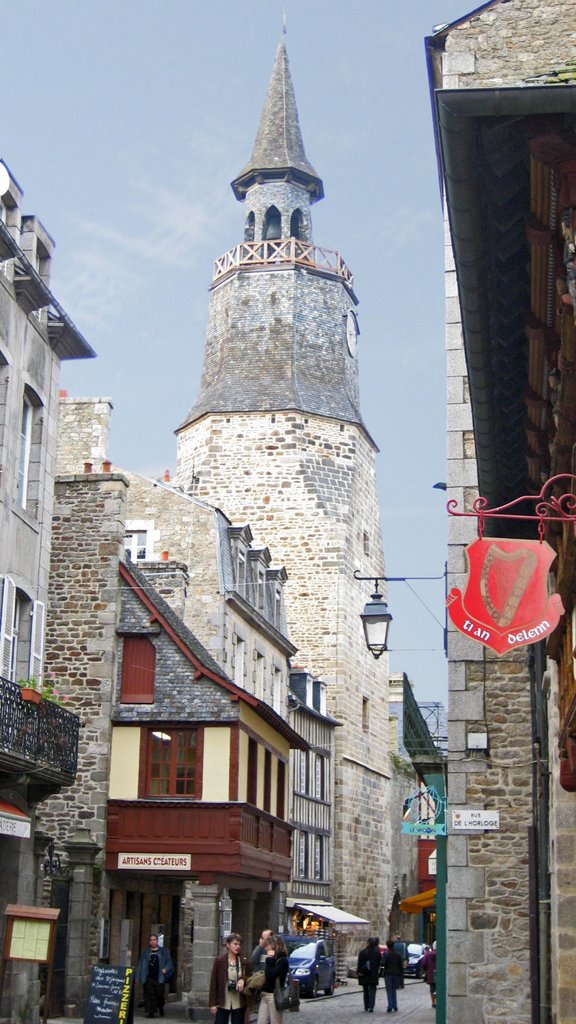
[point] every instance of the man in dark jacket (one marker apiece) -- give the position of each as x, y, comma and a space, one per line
368, 972
154, 969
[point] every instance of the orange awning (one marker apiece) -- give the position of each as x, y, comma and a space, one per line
414, 904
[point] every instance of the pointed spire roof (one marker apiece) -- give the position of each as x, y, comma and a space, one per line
278, 152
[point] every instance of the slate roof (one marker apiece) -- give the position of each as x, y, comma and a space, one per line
203, 658
278, 151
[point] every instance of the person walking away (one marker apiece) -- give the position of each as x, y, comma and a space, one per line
258, 953
402, 948
229, 973
154, 969
392, 975
368, 972
276, 968
428, 963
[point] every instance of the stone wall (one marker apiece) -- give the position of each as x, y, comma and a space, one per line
489, 893
508, 43
84, 428
307, 487
87, 540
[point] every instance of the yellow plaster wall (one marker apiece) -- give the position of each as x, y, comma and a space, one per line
216, 766
267, 733
124, 764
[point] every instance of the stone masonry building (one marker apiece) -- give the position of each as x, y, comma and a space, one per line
276, 438
504, 109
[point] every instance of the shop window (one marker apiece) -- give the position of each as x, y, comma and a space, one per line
138, 670
171, 763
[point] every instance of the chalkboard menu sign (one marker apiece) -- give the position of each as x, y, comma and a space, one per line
110, 999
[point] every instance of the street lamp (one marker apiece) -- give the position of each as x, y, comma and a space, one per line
376, 621
376, 618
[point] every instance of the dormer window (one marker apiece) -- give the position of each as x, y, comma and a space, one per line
272, 224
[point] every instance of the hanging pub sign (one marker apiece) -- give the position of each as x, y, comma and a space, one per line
506, 603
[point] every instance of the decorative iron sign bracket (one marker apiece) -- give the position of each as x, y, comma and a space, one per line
548, 507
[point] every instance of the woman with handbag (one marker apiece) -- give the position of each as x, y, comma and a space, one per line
276, 971
229, 972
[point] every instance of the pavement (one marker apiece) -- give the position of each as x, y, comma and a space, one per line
341, 1008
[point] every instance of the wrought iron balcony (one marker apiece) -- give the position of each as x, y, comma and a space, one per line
417, 738
40, 739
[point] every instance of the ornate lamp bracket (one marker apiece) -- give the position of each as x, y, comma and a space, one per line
548, 507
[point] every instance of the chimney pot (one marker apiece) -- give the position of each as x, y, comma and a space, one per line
87, 467
166, 476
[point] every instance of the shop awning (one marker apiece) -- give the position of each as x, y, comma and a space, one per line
13, 821
414, 904
328, 913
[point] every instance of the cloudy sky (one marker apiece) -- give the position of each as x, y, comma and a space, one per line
124, 122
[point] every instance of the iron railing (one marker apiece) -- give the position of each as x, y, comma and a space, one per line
44, 734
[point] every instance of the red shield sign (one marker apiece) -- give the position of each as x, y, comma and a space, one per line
506, 603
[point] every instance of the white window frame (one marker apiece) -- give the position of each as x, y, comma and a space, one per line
239, 656
24, 450
37, 627
8, 634
132, 545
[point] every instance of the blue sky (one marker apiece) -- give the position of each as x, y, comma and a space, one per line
124, 122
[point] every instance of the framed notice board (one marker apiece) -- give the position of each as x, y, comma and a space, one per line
111, 996
30, 935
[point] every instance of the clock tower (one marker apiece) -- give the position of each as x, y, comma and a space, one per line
276, 437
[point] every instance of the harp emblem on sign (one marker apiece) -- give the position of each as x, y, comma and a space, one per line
506, 603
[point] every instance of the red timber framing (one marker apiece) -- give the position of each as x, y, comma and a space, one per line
230, 839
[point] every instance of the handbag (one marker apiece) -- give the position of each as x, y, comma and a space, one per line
287, 996
255, 982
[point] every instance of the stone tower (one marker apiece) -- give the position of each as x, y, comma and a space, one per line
276, 438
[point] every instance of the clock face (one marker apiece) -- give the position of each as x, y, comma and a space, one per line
351, 331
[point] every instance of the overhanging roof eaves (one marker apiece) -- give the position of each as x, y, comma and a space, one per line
460, 116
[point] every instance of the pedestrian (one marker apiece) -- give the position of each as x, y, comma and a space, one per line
392, 974
154, 969
258, 953
229, 973
402, 948
368, 972
428, 964
276, 969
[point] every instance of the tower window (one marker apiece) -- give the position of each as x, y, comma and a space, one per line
296, 224
272, 223
249, 227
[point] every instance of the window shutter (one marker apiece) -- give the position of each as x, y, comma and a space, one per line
37, 640
138, 670
7, 626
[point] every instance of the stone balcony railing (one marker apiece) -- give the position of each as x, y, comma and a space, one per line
282, 252
39, 738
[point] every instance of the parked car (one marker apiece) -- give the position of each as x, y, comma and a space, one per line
415, 952
312, 964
